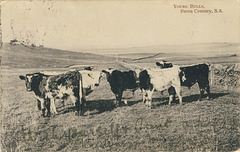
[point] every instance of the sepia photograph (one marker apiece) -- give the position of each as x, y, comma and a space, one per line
120, 76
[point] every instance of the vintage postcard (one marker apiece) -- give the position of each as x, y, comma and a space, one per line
112, 75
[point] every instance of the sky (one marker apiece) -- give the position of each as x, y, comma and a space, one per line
75, 25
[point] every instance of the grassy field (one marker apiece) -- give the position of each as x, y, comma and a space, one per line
195, 126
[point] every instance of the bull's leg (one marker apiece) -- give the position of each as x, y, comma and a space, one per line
149, 96
39, 104
63, 103
118, 98
116, 101
133, 93
52, 105
43, 112
82, 105
147, 102
202, 86
208, 92
172, 93
47, 105
178, 92
201, 94
170, 99
79, 107
78, 99
144, 94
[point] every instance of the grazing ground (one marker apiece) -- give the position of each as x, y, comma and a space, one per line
195, 126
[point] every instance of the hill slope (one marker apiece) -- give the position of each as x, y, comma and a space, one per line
26, 57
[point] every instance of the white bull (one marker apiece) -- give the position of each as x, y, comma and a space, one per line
160, 80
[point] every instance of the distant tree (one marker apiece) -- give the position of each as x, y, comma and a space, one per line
14, 42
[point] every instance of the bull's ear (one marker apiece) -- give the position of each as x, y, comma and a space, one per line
104, 71
22, 77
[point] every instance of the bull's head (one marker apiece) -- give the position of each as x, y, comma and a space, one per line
30, 80
91, 78
96, 77
137, 72
108, 72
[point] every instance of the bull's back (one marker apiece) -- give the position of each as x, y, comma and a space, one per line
164, 78
71, 78
123, 80
160, 79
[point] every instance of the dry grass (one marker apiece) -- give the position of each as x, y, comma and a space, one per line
194, 126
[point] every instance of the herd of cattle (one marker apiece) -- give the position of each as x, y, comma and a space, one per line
76, 85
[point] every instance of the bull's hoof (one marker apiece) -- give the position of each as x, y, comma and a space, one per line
125, 102
208, 98
79, 114
82, 114
117, 104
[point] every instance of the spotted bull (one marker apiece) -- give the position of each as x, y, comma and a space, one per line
73, 84
49, 88
191, 75
159, 80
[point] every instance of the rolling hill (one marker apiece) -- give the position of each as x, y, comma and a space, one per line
18, 56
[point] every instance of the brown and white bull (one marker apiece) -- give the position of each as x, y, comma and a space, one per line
69, 85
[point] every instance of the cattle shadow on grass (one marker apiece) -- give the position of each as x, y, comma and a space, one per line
100, 106
195, 97
162, 101
186, 99
96, 106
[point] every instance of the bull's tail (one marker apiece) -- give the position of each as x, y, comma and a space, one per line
80, 89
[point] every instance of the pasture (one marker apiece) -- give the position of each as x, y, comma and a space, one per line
195, 126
